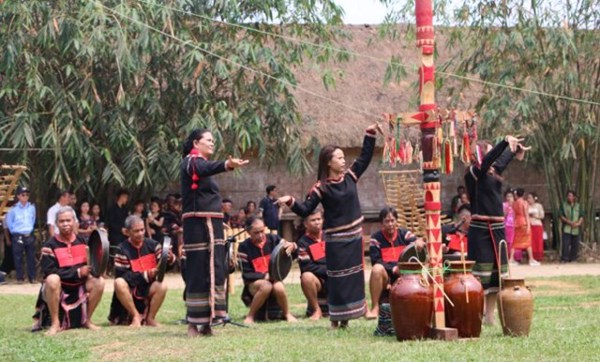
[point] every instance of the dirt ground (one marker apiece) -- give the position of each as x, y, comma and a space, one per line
174, 281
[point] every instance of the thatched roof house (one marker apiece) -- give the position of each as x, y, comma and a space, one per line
360, 87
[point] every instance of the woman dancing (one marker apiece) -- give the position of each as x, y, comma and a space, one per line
484, 186
336, 190
206, 266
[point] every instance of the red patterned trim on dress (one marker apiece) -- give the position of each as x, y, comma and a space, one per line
494, 219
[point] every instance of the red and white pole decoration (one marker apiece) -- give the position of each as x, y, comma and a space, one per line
430, 124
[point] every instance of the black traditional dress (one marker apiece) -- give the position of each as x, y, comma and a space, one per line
484, 186
132, 264
387, 252
64, 259
203, 241
343, 236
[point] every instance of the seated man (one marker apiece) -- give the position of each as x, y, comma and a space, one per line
138, 296
454, 236
385, 250
69, 293
311, 259
254, 254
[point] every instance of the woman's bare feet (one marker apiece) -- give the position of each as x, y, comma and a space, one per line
206, 331
290, 318
192, 331
373, 313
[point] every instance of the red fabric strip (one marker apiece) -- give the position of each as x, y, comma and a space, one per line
71, 255
391, 254
317, 250
146, 262
261, 264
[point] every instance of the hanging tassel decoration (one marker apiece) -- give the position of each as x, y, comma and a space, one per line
453, 136
393, 151
448, 160
385, 157
409, 152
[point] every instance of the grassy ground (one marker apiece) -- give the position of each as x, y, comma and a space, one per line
565, 327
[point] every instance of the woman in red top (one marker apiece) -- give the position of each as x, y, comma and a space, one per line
522, 229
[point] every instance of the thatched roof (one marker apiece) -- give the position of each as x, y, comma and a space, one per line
361, 86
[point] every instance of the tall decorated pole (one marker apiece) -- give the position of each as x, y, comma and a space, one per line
431, 158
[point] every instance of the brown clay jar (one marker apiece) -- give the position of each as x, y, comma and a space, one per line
466, 293
515, 306
411, 302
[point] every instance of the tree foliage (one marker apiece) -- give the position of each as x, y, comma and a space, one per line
545, 46
109, 100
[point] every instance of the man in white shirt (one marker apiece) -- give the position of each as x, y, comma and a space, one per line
63, 200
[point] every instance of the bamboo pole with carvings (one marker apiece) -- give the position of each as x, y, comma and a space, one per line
431, 165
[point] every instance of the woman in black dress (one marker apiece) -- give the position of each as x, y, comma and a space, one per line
203, 241
484, 187
336, 190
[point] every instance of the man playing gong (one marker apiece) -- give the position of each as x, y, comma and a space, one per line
313, 266
385, 249
69, 293
255, 254
138, 295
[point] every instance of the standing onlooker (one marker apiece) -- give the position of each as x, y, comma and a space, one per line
536, 217
155, 221
271, 211
250, 208
238, 220
454, 204
226, 206
8, 264
86, 221
20, 221
522, 239
138, 210
572, 218
115, 219
63, 200
96, 215
73, 200
509, 218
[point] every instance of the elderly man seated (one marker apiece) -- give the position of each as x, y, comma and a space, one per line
138, 295
254, 254
69, 293
385, 250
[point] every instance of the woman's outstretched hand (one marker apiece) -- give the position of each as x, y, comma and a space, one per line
233, 163
513, 142
520, 154
283, 200
375, 127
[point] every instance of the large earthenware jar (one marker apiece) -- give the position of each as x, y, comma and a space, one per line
515, 306
466, 293
411, 301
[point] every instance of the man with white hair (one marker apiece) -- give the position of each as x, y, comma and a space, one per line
138, 295
69, 293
